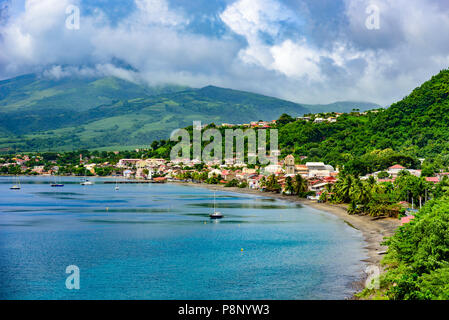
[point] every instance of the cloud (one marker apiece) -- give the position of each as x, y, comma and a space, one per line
314, 51
157, 12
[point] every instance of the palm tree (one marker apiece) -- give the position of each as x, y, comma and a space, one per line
289, 185
361, 193
300, 185
343, 188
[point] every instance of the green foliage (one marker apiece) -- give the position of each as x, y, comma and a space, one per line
418, 255
381, 199
243, 185
383, 175
232, 183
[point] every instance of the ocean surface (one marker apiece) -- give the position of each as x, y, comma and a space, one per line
156, 241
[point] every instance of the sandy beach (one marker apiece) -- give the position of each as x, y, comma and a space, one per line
373, 230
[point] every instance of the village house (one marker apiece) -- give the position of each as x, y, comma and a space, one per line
273, 169
254, 181
90, 167
302, 170
128, 174
127, 163
38, 169
248, 171
394, 170
434, 180
155, 162
317, 186
214, 172
228, 175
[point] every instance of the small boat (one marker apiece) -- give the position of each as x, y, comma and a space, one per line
215, 214
55, 184
116, 184
16, 186
84, 181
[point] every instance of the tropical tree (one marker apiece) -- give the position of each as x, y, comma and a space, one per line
300, 185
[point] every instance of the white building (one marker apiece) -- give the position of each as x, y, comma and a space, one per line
319, 169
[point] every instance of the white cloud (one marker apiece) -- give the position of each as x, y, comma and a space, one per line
276, 56
157, 12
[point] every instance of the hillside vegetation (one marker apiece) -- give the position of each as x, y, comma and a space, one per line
38, 114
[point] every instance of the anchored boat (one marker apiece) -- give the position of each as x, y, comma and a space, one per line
215, 214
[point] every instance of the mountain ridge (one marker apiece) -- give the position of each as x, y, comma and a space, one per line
88, 112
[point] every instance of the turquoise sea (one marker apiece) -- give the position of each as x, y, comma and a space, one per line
156, 241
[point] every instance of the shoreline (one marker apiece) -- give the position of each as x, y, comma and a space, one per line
373, 230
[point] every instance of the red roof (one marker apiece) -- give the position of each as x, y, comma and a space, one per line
432, 179
396, 166
407, 219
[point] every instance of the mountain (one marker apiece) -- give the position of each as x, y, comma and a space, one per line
41, 113
413, 128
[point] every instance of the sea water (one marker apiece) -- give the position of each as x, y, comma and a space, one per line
156, 241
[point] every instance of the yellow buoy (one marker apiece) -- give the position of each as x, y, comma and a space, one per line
241, 249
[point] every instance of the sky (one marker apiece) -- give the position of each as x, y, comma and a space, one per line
309, 51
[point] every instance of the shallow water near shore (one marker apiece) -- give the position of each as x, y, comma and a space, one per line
156, 241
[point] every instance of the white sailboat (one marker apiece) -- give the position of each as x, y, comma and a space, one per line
16, 186
84, 181
55, 184
215, 214
116, 184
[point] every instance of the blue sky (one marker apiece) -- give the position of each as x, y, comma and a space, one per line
311, 51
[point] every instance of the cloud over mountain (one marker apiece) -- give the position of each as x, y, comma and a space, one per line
313, 51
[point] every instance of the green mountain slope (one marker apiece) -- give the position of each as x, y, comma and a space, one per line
37, 113
415, 127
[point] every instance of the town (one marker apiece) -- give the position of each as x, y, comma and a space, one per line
315, 181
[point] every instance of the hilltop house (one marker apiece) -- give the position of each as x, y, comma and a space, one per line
394, 170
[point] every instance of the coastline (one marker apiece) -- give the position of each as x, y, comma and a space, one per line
373, 230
